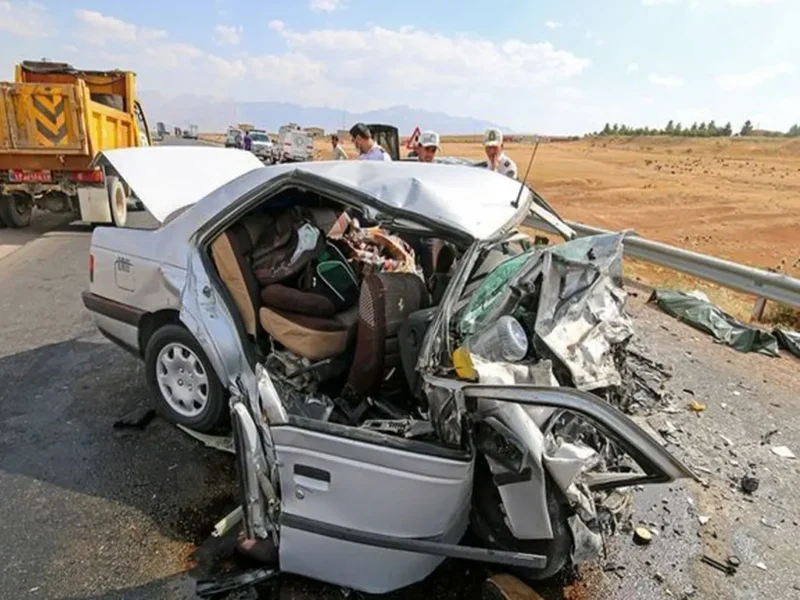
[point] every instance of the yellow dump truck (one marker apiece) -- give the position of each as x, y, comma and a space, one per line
54, 119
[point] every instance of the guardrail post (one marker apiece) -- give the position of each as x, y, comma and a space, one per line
758, 309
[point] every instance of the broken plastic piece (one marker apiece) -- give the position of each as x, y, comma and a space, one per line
642, 536
227, 522
783, 452
463, 364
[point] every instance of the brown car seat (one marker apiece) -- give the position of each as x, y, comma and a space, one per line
314, 338
385, 302
231, 252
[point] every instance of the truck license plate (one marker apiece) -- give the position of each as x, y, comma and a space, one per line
22, 176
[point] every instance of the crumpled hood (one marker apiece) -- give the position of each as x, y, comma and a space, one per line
166, 178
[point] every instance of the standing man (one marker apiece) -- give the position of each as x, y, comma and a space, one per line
248, 141
338, 151
427, 146
367, 148
498, 159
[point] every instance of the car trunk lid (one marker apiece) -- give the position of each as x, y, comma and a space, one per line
166, 178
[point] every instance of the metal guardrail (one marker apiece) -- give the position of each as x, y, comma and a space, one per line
762, 284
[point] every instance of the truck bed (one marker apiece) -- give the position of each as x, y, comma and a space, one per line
48, 126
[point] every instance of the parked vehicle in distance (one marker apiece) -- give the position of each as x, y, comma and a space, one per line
387, 137
262, 145
399, 363
163, 130
234, 138
294, 145
190, 133
53, 121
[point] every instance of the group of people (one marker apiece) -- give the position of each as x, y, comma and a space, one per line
426, 148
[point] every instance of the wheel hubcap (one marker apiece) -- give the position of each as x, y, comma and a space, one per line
182, 379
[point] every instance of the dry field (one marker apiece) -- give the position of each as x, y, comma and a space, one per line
737, 199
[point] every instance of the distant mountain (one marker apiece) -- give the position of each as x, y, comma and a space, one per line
214, 115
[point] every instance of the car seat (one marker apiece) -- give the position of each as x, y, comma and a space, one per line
386, 300
314, 338
231, 252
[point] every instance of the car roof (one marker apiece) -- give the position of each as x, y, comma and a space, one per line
474, 201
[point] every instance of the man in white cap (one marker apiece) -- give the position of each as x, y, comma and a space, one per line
427, 146
498, 160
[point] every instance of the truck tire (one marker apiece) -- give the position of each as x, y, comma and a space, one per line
16, 210
117, 201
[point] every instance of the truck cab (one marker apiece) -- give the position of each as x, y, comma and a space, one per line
387, 137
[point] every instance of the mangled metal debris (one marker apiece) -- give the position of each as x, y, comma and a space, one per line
223, 443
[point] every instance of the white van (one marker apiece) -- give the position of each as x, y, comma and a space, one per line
234, 138
294, 145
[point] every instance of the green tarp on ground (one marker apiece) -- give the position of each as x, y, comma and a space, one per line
788, 340
709, 318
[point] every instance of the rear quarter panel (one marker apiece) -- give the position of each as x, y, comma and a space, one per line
132, 267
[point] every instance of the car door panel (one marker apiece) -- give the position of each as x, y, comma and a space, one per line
369, 488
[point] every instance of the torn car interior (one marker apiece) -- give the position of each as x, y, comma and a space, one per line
339, 306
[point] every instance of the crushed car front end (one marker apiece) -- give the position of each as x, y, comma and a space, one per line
543, 463
535, 336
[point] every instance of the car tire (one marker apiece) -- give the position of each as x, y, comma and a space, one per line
184, 386
117, 201
487, 523
16, 210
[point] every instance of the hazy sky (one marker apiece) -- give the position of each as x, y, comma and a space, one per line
549, 67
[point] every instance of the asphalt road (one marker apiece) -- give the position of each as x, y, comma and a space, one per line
87, 511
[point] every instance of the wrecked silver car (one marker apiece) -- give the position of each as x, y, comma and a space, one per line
399, 363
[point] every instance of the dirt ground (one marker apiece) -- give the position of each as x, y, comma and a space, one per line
737, 199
